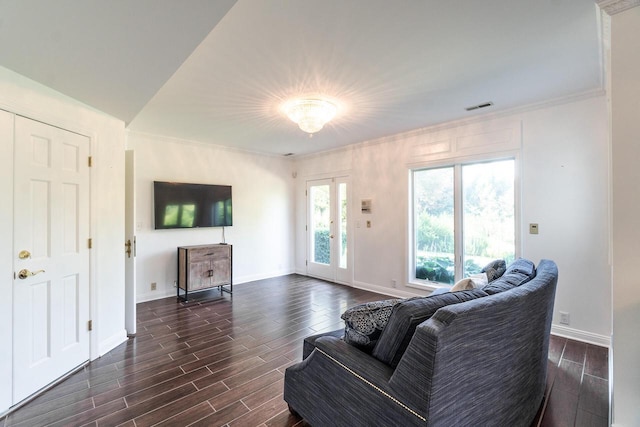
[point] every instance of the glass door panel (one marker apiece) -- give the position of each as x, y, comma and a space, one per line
319, 199
434, 222
488, 200
327, 225
342, 232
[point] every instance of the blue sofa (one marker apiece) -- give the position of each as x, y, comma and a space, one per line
469, 358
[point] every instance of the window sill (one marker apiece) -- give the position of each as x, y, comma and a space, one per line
432, 286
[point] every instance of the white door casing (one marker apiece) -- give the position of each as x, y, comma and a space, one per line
328, 222
6, 259
51, 223
130, 243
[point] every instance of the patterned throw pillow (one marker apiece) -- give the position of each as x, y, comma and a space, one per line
494, 269
364, 323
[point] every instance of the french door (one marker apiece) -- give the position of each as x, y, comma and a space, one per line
51, 255
328, 253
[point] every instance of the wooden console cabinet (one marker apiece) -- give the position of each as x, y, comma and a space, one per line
203, 267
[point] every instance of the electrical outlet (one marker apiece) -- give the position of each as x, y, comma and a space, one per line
564, 318
394, 283
175, 283
368, 224
153, 286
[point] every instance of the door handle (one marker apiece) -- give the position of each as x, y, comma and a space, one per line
24, 273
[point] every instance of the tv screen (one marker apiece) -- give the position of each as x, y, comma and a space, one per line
180, 205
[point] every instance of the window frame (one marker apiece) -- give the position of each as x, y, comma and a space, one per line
457, 164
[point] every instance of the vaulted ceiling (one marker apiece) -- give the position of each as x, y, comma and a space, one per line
218, 71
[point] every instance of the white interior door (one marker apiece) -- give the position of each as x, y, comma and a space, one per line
51, 255
328, 255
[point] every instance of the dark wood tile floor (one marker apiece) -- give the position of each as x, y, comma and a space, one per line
577, 385
220, 361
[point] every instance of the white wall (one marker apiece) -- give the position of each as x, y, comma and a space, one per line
262, 231
22, 96
565, 182
625, 121
564, 188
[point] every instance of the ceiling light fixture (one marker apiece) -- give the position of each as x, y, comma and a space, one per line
310, 114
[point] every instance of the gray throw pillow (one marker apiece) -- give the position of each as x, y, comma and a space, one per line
494, 269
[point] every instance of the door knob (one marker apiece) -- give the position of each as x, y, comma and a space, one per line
24, 273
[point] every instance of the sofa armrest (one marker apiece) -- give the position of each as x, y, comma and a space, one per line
338, 384
309, 343
355, 360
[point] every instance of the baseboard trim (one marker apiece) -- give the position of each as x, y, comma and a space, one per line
583, 336
254, 277
112, 342
236, 281
41, 391
384, 290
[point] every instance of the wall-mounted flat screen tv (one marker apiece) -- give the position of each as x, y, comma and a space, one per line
181, 205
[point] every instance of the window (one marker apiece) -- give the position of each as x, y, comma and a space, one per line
463, 216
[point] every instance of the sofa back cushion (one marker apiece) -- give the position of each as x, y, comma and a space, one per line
407, 315
518, 272
523, 266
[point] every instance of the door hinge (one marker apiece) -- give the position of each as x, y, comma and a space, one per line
90, 243
90, 161
306, 262
305, 193
90, 325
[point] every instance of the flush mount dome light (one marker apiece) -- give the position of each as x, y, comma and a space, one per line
310, 114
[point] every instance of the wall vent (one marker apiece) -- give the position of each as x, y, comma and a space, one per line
475, 107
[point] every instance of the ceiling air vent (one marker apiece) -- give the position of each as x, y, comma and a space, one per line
476, 107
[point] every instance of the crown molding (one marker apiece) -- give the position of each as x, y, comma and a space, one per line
481, 118
611, 7
211, 145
